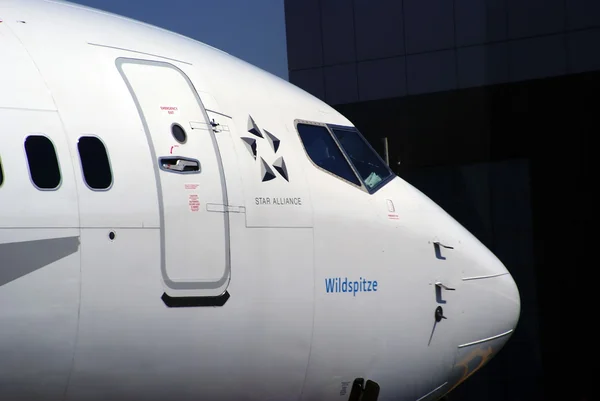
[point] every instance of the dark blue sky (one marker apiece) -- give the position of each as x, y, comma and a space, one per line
253, 30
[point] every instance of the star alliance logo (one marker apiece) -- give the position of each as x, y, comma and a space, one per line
267, 173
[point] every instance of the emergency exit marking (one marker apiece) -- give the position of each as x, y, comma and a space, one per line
193, 199
194, 203
169, 109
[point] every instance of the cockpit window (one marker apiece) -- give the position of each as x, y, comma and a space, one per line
372, 169
324, 152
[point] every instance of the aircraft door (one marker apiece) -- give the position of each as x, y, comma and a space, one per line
187, 164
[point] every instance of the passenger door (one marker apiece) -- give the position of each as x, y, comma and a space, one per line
187, 164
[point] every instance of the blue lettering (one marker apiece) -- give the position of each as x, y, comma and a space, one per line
329, 284
343, 285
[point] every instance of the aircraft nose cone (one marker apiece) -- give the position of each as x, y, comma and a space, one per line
492, 307
496, 305
506, 292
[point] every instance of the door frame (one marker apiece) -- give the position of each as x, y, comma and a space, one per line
184, 287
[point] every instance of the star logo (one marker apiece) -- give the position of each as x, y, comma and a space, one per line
266, 169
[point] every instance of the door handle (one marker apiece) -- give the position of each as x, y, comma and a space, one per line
441, 285
438, 243
438, 250
179, 164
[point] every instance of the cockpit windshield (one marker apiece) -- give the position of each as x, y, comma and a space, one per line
372, 169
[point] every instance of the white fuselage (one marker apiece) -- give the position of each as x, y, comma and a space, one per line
254, 275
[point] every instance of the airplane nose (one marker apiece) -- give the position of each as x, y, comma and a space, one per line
494, 306
479, 296
491, 308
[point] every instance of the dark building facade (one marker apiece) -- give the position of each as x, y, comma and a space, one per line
488, 107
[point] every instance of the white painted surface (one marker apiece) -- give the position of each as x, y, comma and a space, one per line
97, 317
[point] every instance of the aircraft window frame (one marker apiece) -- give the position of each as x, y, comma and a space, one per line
28, 159
355, 130
1, 174
360, 184
110, 169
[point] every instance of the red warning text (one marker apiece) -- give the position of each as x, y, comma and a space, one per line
169, 109
194, 203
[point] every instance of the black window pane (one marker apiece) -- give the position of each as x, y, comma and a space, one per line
94, 162
324, 152
367, 162
43, 164
178, 133
1, 174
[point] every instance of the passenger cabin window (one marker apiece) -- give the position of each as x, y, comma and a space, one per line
324, 152
1, 173
370, 166
94, 163
43, 163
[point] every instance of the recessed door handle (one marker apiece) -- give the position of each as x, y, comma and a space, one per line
179, 164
